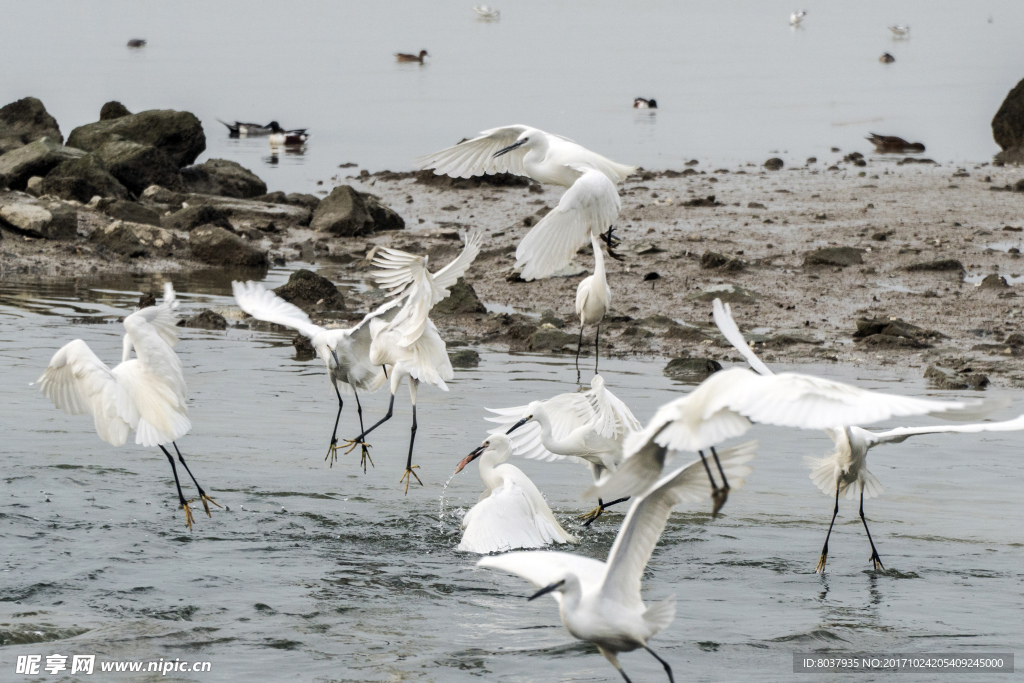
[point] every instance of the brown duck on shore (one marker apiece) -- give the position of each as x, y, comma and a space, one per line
891, 143
886, 58
403, 57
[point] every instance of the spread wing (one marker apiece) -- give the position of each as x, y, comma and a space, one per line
264, 305
545, 567
567, 412
613, 419
447, 277
476, 157
727, 326
901, 434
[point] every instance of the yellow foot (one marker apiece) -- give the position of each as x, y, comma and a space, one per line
365, 457
332, 452
407, 477
821, 563
352, 443
591, 516
718, 497
876, 561
206, 500
188, 514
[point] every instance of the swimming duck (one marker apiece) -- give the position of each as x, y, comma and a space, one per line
796, 17
641, 103
485, 12
280, 136
403, 57
241, 130
900, 31
886, 58
891, 143
137, 42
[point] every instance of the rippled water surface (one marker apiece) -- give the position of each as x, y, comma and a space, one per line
734, 81
313, 573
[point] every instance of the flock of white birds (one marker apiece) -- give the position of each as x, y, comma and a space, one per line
599, 602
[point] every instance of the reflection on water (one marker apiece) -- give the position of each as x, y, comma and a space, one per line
337, 575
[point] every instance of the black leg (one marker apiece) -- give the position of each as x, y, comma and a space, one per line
359, 439
181, 496
824, 550
718, 495
366, 452
597, 346
668, 669
202, 494
876, 561
601, 507
409, 467
579, 347
332, 450
725, 482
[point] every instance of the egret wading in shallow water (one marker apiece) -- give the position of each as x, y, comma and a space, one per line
844, 471
409, 343
591, 426
146, 393
511, 513
592, 299
729, 402
600, 602
345, 351
590, 206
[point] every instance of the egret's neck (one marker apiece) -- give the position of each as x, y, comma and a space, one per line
598, 258
489, 473
126, 348
564, 446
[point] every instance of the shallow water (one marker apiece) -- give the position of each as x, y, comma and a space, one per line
327, 574
734, 84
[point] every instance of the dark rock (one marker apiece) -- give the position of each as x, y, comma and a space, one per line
756, 205
1013, 156
1016, 340
348, 213
712, 260
138, 166
834, 256
163, 199
703, 201
119, 238
945, 378
548, 339
178, 134
248, 213
36, 158
147, 299
888, 341
548, 317
309, 201
464, 358
82, 179
132, 212
728, 293
912, 160
304, 349
692, 370
686, 333
191, 217
222, 178
1008, 123
781, 341
310, 291
774, 164
428, 177
867, 327
994, 281
206, 320
941, 266
463, 301
49, 219
216, 246
26, 121
113, 110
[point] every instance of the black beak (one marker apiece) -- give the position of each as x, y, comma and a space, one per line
519, 424
546, 590
470, 458
336, 361
506, 150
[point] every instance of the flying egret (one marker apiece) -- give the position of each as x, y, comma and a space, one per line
409, 343
511, 513
345, 351
844, 471
900, 31
592, 299
590, 206
729, 402
591, 426
796, 17
600, 602
146, 393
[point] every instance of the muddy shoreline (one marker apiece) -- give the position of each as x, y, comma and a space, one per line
906, 242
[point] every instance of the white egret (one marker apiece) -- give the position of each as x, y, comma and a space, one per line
511, 513
410, 343
600, 602
146, 393
729, 402
900, 31
590, 206
487, 13
844, 471
345, 351
591, 426
593, 297
796, 17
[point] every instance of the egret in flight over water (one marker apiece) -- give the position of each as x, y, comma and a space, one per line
145, 393
589, 206
600, 602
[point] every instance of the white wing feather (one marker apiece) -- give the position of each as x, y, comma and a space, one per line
728, 327
476, 157
263, 304
901, 434
544, 567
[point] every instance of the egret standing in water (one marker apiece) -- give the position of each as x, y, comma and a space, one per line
146, 393
600, 602
593, 297
844, 471
590, 206
345, 352
409, 343
511, 513
591, 426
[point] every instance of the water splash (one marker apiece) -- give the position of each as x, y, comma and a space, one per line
440, 512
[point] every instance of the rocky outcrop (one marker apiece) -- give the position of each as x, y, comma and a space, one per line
137, 166
135, 239
178, 134
218, 247
834, 256
26, 121
243, 214
205, 320
309, 201
192, 217
463, 301
222, 178
82, 179
132, 212
947, 378
113, 110
348, 213
34, 159
49, 219
691, 369
310, 291
1008, 123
